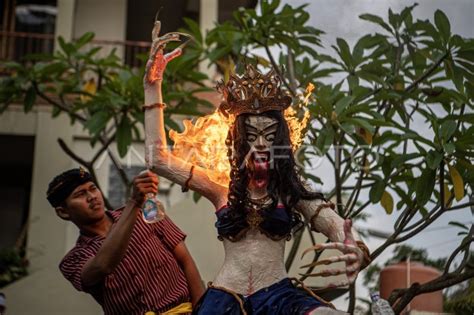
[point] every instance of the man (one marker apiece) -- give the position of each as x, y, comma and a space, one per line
127, 265
3, 304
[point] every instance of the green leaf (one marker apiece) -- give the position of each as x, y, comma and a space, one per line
362, 122
30, 98
433, 159
394, 19
449, 147
343, 103
353, 81
195, 29
196, 196
424, 212
84, 39
324, 140
12, 65
402, 159
68, 48
469, 89
366, 42
56, 68
97, 122
377, 20
348, 128
406, 15
314, 178
124, 136
345, 52
442, 23
377, 191
424, 186
171, 124
447, 129
459, 224
56, 111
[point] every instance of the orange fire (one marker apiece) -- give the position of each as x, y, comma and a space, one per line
296, 125
203, 143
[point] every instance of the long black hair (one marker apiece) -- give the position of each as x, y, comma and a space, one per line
284, 182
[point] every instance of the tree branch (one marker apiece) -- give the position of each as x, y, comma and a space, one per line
352, 299
440, 283
118, 166
465, 243
277, 69
441, 185
291, 70
337, 174
294, 248
351, 202
63, 107
316, 257
105, 146
73, 155
464, 205
428, 72
361, 208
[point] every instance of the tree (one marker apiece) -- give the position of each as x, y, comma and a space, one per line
411, 69
461, 301
100, 93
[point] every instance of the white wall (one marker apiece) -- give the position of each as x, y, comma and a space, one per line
44, 290
106, 18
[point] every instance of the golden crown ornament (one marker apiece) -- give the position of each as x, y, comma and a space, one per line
253, 93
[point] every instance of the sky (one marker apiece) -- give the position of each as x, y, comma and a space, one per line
339, 18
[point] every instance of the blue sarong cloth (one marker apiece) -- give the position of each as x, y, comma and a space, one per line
280, 298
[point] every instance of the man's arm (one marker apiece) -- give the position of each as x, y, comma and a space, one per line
195, 285
115, 245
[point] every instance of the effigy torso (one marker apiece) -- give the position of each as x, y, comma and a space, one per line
252, 263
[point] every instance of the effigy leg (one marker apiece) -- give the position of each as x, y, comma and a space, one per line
326, 311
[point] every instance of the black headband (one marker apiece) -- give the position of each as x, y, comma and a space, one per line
65, 183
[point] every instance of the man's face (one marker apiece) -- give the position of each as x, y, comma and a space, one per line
85, 205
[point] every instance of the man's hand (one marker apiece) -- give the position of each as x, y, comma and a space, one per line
145, 183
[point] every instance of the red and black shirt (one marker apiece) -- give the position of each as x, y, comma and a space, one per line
147, 279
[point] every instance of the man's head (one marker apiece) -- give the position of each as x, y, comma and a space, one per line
75, 197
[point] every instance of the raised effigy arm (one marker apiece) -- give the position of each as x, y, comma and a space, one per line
157, 155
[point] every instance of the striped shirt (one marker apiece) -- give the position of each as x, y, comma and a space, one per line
147, 279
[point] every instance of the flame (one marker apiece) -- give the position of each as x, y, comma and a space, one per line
203, 143
296, 125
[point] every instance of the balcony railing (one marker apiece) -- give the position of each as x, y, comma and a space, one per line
129, 51
16, 45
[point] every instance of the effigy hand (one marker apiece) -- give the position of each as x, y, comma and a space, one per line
353, 257
157, 60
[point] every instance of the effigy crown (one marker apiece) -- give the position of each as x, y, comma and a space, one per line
253, 93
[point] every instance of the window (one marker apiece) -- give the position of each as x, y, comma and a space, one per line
15, 186
28, 27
